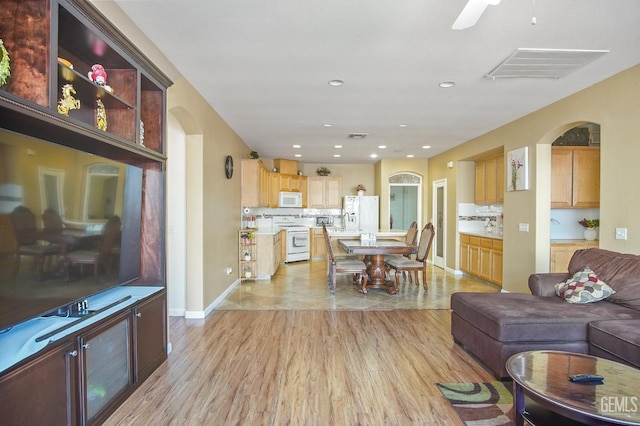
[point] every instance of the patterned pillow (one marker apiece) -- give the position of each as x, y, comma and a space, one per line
583, 287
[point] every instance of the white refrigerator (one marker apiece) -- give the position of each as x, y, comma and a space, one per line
361, 213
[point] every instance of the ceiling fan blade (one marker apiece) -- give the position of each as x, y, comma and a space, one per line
471, 13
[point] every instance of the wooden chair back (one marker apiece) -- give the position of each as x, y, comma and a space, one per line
426, 239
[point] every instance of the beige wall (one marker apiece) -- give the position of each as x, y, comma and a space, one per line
615, 105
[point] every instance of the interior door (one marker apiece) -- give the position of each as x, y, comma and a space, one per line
439, 248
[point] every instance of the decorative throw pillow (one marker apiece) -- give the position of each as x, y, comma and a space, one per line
583, 287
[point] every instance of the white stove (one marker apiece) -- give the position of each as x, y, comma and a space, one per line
297, 240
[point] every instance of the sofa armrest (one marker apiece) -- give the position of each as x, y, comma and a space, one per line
542, 284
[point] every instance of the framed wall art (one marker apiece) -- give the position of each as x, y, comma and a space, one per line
517, 169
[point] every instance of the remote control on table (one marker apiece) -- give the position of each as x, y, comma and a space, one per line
586, 378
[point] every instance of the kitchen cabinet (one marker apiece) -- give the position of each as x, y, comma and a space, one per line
274, 189
286, 167
255, 184
318, 245
269, 249
575, 177
481, 257
561, 253
247, 255
489, 181
324, 192
149, 319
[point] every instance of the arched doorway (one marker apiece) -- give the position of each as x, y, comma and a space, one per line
405, 200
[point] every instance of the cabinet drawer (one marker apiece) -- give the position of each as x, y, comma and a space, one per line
486, 243
464, 239
474, 241
497, 245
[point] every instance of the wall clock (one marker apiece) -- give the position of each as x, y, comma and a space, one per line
228, 166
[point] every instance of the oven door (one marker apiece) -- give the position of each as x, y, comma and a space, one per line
297, 245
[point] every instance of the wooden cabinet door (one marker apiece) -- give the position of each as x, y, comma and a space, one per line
333, 192
496, 263
491, 181
315, 194
318, 244
150, 336
43, 391
264, 187
286, 183
480, 183
485, 259
561, 177
464, 257
274, 189
250, 183
586, 177
302, 187
474, 256
500, 188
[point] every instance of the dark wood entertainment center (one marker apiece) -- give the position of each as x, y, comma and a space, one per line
85, 373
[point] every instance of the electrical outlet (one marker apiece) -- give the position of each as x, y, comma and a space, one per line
523, 227
621, 233
229, 270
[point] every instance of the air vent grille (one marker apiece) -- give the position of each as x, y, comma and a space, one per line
543, 63
358, 135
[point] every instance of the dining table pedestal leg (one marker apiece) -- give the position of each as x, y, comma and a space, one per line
378, 275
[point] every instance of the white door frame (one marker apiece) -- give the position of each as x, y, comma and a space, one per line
441, 230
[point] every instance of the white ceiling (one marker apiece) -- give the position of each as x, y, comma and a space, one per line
264, 66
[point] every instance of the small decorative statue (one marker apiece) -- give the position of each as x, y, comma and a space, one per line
101, 116
5, 68
141, 133
68, 102
99, 76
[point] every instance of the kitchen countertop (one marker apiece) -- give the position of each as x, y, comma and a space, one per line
576, 241
333, 232
483, 235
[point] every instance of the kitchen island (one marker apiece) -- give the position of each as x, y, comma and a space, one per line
319, 250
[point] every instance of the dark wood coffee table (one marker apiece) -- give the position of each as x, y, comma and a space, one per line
543, 377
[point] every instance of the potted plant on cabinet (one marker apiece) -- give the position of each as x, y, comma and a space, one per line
323, 171
590, 228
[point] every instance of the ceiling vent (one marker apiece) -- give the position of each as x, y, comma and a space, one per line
358, 135
543, 63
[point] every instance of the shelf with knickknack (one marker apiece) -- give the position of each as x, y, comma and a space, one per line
67, 67
247, 255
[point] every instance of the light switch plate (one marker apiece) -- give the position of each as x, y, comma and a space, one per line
523, 227
621, 233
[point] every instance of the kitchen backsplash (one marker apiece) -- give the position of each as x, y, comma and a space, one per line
564, 223
473, 218
263, 215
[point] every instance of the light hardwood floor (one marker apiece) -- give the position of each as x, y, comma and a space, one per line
264, 364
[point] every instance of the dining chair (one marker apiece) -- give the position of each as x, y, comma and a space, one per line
51, 222
410, 238
100, 256
343, 265
403, 264
27, 243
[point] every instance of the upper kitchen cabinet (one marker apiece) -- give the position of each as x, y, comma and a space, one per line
324, 192
255, 184
71, 68
575, 177
489, 185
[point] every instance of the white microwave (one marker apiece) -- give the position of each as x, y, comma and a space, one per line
290, 199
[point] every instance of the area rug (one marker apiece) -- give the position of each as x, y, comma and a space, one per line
480, 404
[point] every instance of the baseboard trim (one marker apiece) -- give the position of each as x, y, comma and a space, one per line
211, 307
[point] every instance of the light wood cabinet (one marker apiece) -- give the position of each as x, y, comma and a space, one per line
286, 167
274, 189
575, 177
324, 192
269, 249
318, 245
561, 253
255, 184
489, 185
481, 257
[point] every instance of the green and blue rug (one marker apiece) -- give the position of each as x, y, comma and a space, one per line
480, 404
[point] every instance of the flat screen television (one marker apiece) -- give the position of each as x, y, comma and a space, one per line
85, 190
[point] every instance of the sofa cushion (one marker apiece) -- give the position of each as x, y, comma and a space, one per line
620, 271
583, 287
616, 339
516, 317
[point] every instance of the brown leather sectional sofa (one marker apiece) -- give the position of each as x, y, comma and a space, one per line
494, 326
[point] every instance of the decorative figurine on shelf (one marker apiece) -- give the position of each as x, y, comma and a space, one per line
141, 133
5, 68
360, 188
254, 155
68, 102
99, 76
323, 171
101, 116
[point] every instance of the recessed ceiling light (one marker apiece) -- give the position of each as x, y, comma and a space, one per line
337, 146
374, 155
336, 155
336, 83
403, 125
426, 146
298, 155
297, 146
447, 84
328, 125
382, 146
409, 155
